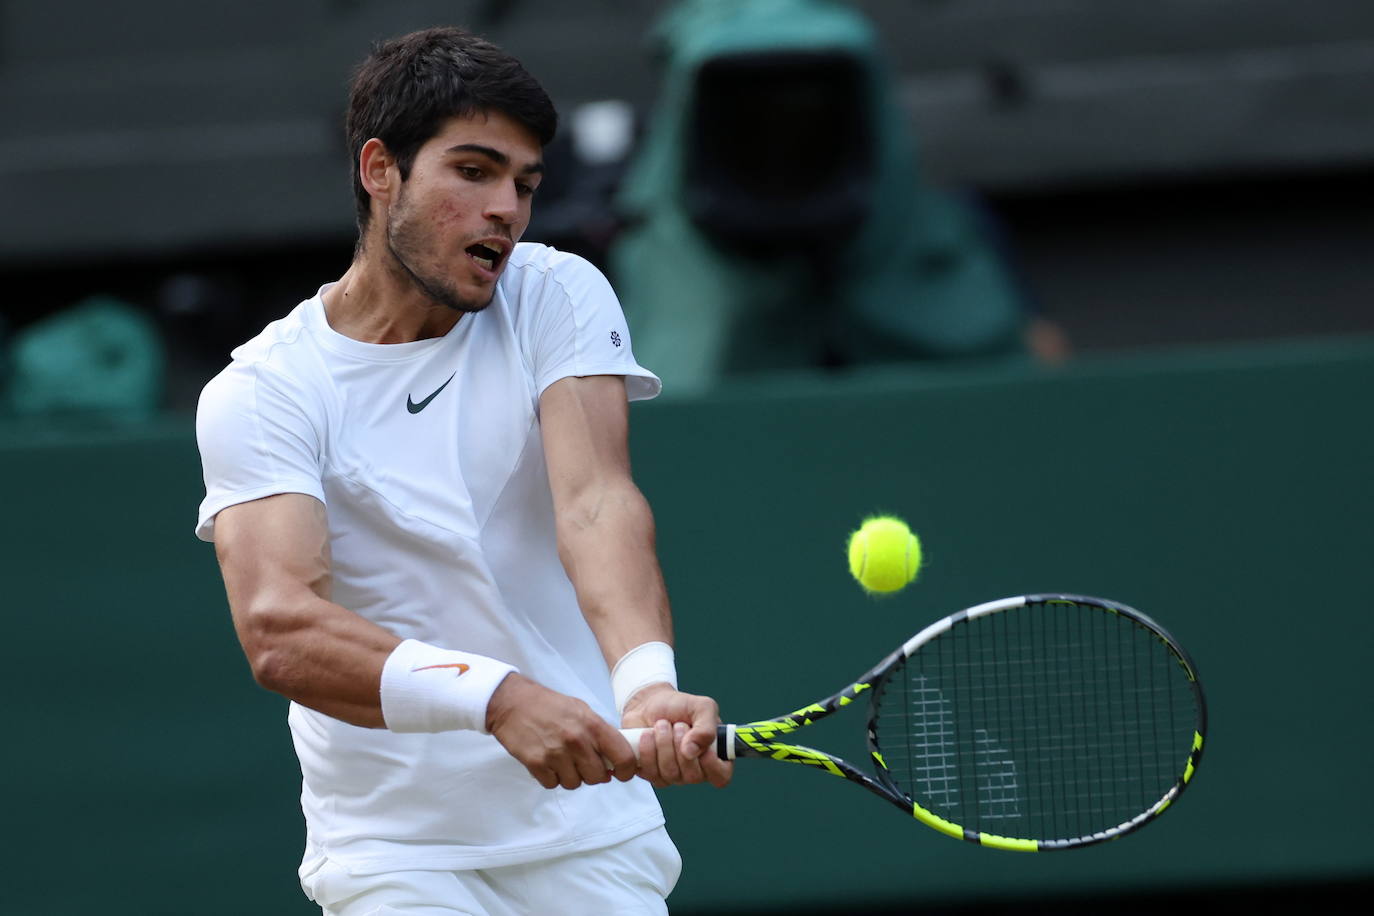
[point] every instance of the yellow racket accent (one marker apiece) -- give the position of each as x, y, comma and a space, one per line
939, 823
1004, 842
857, 689
991, 840
1197, 748
794, 754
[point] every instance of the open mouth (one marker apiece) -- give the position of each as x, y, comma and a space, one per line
485, 256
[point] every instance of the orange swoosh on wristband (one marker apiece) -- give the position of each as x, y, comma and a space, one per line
462, 668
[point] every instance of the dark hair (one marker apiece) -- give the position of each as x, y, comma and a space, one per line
409, 86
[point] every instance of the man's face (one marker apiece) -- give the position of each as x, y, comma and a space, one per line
466, 203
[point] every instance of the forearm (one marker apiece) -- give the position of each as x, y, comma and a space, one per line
275, 559
327, 658
318, 654
334, 661
606, 543
274, 554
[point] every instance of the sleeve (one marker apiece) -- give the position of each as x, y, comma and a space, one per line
255, 440
578, 328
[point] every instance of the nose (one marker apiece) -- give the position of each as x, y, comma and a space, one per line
504, 204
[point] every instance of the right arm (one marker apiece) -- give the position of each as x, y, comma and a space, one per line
274, 556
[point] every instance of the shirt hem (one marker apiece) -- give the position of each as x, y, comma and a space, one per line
205, 527
640, 383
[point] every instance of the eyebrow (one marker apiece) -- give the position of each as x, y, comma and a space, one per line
495, 155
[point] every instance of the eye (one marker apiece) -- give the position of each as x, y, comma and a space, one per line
470, 172
524, 189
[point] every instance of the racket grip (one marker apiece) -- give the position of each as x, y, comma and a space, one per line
725, 737
632, 736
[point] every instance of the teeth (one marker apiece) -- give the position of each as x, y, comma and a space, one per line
485, 262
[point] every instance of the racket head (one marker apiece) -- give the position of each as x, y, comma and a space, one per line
1039, 722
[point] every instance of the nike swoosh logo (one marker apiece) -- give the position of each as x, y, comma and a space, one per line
462, 668
416, 408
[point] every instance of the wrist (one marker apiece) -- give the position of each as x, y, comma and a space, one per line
512, 693
646, 664
429, 689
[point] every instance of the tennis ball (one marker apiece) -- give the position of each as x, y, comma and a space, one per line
884, 555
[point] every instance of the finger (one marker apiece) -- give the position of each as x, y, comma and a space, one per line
718, 772
592, 768
666, 750
569, 774
544, 776
648, 758
617, 757
702, 734
585, 745
690, 768
625, 771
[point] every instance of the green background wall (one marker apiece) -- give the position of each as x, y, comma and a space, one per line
1226, 493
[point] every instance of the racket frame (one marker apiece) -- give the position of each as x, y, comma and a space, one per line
757, 739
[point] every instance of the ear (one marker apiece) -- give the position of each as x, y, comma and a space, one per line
377, 172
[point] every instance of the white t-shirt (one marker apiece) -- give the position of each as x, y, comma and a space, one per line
428, 459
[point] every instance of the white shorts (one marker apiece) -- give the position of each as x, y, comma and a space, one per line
632, 878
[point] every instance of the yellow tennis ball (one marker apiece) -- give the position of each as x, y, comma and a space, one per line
884, 555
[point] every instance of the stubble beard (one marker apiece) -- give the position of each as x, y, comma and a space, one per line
403, 241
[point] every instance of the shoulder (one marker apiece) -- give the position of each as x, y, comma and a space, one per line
537, 258
280, 357
536, 270
276, 341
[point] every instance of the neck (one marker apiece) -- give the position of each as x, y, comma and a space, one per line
376, 301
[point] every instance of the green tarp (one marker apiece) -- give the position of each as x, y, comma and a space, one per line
909, 276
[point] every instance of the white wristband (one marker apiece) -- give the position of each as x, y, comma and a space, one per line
429, 689
650, 663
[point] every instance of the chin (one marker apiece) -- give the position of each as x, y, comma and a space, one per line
476, 299
468, 305
451, 297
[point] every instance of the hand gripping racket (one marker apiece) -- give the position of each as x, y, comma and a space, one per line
1030, 723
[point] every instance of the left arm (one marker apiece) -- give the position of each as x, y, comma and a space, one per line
606, 544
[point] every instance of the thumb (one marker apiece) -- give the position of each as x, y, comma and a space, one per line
701, 735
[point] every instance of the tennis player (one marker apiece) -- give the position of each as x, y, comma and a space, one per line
418, 488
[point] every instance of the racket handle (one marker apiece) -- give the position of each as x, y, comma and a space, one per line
724, 741
632, 736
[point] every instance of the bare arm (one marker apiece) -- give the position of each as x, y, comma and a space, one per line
606, 543
274, 555
605, 528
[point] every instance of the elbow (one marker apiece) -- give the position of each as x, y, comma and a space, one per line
270, 638
617, 504
271, 667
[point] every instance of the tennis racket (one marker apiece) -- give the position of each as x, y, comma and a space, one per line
1030, 723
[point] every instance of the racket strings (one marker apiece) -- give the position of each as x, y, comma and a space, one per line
1056, 720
